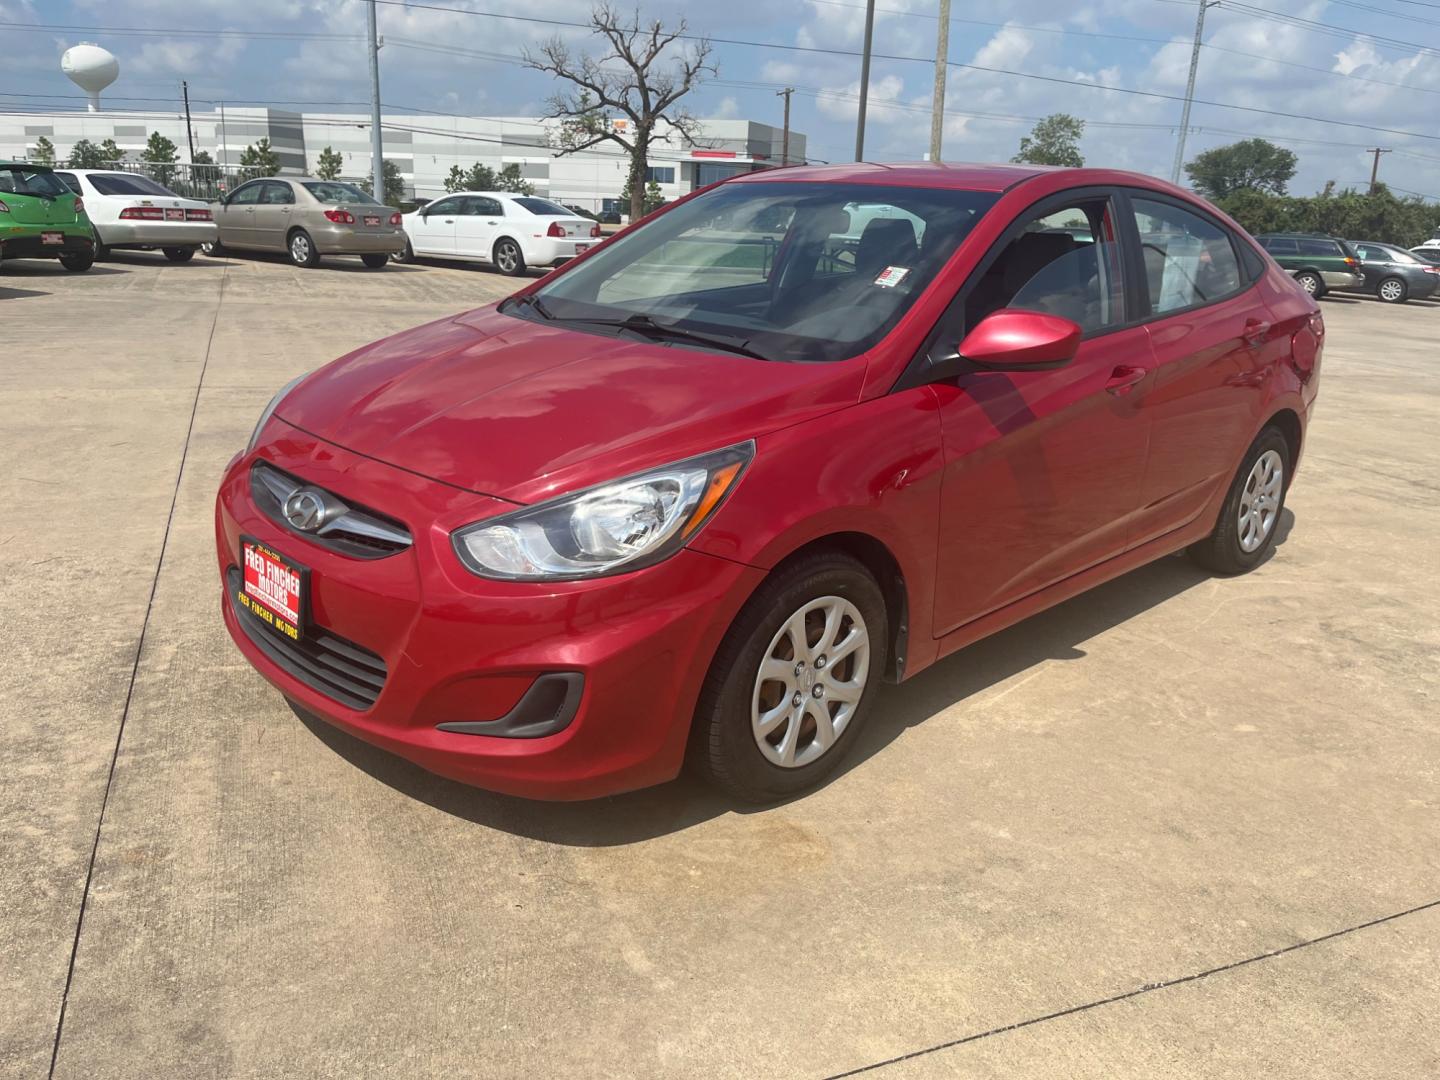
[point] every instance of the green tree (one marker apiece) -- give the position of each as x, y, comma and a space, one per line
1054, 140
261, 157
653, 199
85, 155
394, 184
509, 179
1377, 216
455, 179
480, 178
44, 151
160, 153
1256, 164
110, 153
202, 157
625, 93
329, 164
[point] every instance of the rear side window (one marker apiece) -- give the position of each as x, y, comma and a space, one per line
333, 191
277, 194
1325, 249
483, 207
1281, 245
1188, 260
544, 207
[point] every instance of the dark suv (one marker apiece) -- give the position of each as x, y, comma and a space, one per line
1318, 263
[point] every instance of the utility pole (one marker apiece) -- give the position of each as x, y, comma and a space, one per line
785, 138
377, 148
1190, 90
937, 107
864, 80
189, 131
1375, 151
224, 148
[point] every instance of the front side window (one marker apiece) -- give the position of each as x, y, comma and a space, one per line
247, 195
1188, 259
127, 184
444, 206
801, 271
333, 191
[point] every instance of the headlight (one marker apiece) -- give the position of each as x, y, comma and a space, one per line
270, 410
618, 526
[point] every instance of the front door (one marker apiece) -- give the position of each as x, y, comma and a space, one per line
1043, 468
432, 231
236, 215
475, 228
274, 215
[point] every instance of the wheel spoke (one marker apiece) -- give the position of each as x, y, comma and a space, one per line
824, 728
848, 645
777, 670
771, 719
799, 640
792, 735
847, 693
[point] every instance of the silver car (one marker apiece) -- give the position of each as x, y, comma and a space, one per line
308, 218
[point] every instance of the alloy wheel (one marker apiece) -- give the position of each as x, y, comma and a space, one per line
1391, 290
810, 682
300, 248
507, 256
1260, 501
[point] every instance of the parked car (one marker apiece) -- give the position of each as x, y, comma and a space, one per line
1317, 263
1393, 274
127, 210
1429, 255
308, 218
640, 510
41, 218
580, 211
510, 232
609, 217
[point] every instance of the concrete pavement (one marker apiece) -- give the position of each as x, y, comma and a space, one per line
1169, 776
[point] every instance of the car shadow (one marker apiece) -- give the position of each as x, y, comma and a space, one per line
19, 294
345, 264
1056, 634
51, 268
152, 258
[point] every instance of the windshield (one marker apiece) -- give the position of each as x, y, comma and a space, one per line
126, 184
332, 191
797, 271
18, 180
544, 208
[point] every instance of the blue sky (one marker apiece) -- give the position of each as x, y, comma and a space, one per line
311, 50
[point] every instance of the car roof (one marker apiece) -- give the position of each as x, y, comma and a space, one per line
957, 175
32, 165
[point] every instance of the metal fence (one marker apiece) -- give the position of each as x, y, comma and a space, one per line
193, 181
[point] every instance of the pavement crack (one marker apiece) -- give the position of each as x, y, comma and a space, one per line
134, 671
1147, 988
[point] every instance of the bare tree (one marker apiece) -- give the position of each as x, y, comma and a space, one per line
624, 94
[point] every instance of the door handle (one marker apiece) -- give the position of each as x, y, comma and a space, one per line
1124, 379
1255, 330
492, 223
449, 221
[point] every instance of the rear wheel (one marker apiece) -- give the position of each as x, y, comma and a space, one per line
302, 250
791, 684
102, 250
375, 262
1311, 283
1250, 517
509, 259
1393, 290
179, 254
212, 248
78, 261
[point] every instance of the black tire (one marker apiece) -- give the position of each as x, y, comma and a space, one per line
1222, 551
213, 249
1311, 283
78, 261
301, 249
179, 255
507, 257
375, 262
1397, 288
405, 256
102, 250
723, 747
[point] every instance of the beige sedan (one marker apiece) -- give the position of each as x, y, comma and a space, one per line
308, 218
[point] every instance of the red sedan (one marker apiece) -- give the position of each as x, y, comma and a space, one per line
699, 492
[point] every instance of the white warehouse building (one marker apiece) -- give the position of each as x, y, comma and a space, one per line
423, 146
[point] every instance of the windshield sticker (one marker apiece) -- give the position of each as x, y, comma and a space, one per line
891, 276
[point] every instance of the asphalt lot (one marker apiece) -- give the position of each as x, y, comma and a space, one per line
1081, 848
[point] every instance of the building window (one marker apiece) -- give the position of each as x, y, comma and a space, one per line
657, 175
709, 172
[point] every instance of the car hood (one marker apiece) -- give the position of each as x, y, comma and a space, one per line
521, 410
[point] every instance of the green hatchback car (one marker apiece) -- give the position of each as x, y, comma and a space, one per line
41, 218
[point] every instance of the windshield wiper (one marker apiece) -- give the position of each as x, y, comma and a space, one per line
535, 303
640, 323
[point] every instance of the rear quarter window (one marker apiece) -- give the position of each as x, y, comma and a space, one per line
1281, 245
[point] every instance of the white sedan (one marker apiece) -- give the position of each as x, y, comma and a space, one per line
510, 232
128, 210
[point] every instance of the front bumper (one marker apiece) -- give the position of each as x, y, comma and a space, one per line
347, 240
462, 649
31, 247
159, 234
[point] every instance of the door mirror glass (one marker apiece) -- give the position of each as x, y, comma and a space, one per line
1010, 340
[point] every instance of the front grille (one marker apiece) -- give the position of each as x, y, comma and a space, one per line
350, 530
350, 674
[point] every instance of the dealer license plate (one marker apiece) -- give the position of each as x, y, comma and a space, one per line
273, 588
581, 248
175, 215
52, 238
372, 220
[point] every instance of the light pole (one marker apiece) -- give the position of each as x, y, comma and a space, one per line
864, 80
937, 107
377, 148
1190, 90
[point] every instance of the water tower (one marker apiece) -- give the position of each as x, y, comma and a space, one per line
91, 68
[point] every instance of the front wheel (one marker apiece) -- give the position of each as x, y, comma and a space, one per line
78, 261
1250, 517
374, 262
407, 255
1311, 283
509, 259
179, 254
1393, 290
791, 684
302, 250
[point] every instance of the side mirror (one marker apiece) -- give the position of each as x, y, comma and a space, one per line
1013, 340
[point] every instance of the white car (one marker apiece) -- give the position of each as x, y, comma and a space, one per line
508, 231
128, 210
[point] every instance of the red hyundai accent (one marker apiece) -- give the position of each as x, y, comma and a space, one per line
700, 491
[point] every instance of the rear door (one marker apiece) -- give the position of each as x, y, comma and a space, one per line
1211, 333
432, 230
477, 224
274, 214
